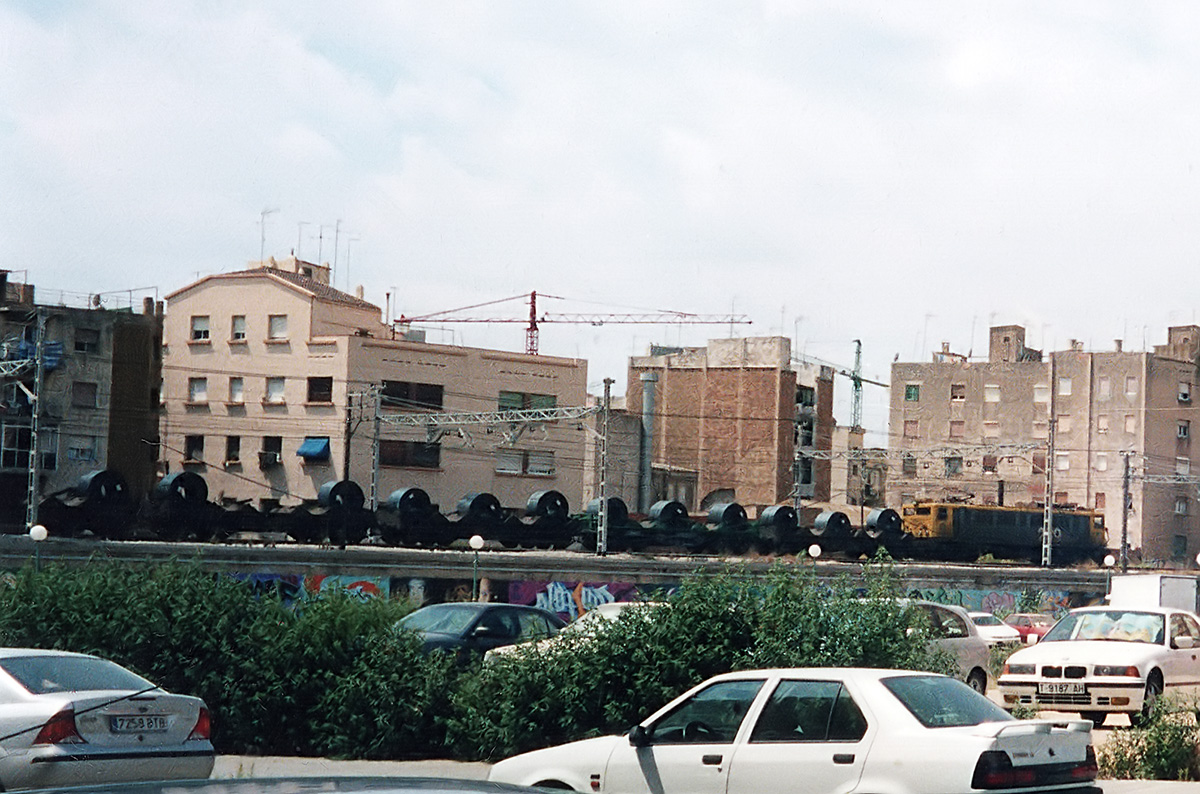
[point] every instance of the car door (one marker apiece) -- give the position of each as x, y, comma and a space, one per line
811, 737
495, 627
687, 750
1181, 665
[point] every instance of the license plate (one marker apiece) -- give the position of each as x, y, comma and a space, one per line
1064, 688
148, 723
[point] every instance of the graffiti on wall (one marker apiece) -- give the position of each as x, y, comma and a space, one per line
1003, 601
571, 599
293, 587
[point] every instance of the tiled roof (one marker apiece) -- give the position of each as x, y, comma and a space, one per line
322, 291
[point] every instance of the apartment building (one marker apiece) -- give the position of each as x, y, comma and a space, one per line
269, 392
986, 431
858, 475
728, 420
99, 392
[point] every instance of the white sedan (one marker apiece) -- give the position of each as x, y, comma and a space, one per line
68, 719
817, 731
994, 630
1103, 660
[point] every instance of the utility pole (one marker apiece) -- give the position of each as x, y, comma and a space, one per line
377, 393
1048, 520
35, 463
602, 531
1125, 455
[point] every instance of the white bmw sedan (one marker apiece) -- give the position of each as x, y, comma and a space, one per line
1103, 660
817, 731
69, 719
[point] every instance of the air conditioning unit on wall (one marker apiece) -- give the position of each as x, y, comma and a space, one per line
268, 459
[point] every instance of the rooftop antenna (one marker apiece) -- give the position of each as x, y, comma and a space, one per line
262, 223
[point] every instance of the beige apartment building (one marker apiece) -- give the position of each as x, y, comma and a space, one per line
270, 382
981, 432
729, 419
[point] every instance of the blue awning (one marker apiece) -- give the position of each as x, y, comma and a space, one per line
314, 448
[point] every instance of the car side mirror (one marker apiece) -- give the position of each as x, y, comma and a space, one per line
1184, 642
639, 736
482, 631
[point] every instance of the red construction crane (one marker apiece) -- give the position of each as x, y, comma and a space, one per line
599, 318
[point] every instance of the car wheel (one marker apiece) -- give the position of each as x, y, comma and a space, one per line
977, 680
1154, 688
556, 785
1097, 717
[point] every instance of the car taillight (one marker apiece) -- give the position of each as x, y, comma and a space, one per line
203, 727
60, 729
1089, 769
994, 769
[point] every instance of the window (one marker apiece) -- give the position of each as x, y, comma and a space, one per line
958, 428
237, 328
193, 448
1179, 546
233, 449
958, 392
1185, 392
1064, 387
1101, 461
83, 394
1183, 429
1062, 498
237, 391
991, 430
1181, 506
320, 390
87, 340
199, 328
1041, 393
273, 444
197, 390
720, 707
81, 448
410, 454
991, 393
403, 394
1041, 430
990, 462
1102, 423
529, 462
954, 466
1100, 501
911, 427
1039, 463
809, 711
275, 391
1064, 423
1130, 423
908, 465
1183, 466
912, 392
16, 443
271, 454
277, 329
1104, 388
1130, 386
520, 401
1062, 461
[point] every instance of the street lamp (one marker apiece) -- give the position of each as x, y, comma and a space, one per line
814, 551
1109, 562
37, 533
476, 543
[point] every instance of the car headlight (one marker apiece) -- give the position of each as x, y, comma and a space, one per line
1019, 669
1116, 669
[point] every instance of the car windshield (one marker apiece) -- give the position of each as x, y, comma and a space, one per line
440, 618
986, 620
42, 675
1121, 625
941, 702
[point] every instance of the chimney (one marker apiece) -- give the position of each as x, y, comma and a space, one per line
645, 481
1120, 344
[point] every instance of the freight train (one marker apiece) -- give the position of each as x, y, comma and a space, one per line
179, 509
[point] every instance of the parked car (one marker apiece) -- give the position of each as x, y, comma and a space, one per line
817, 731
68, 719
993, 630
583, 627
472, 629
307, 784
952, 631
1032, 626
1103, 660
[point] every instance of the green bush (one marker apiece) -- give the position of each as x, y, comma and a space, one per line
1164, 749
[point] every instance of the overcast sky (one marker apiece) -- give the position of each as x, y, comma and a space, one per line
903, 173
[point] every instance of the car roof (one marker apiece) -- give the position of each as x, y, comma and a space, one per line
477, 606
13, 653
1119, 608
839, 673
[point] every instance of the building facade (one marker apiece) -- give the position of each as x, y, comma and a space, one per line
1000, 431
99, 394
728, 420
274, 381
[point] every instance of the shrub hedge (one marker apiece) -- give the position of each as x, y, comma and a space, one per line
332, 677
